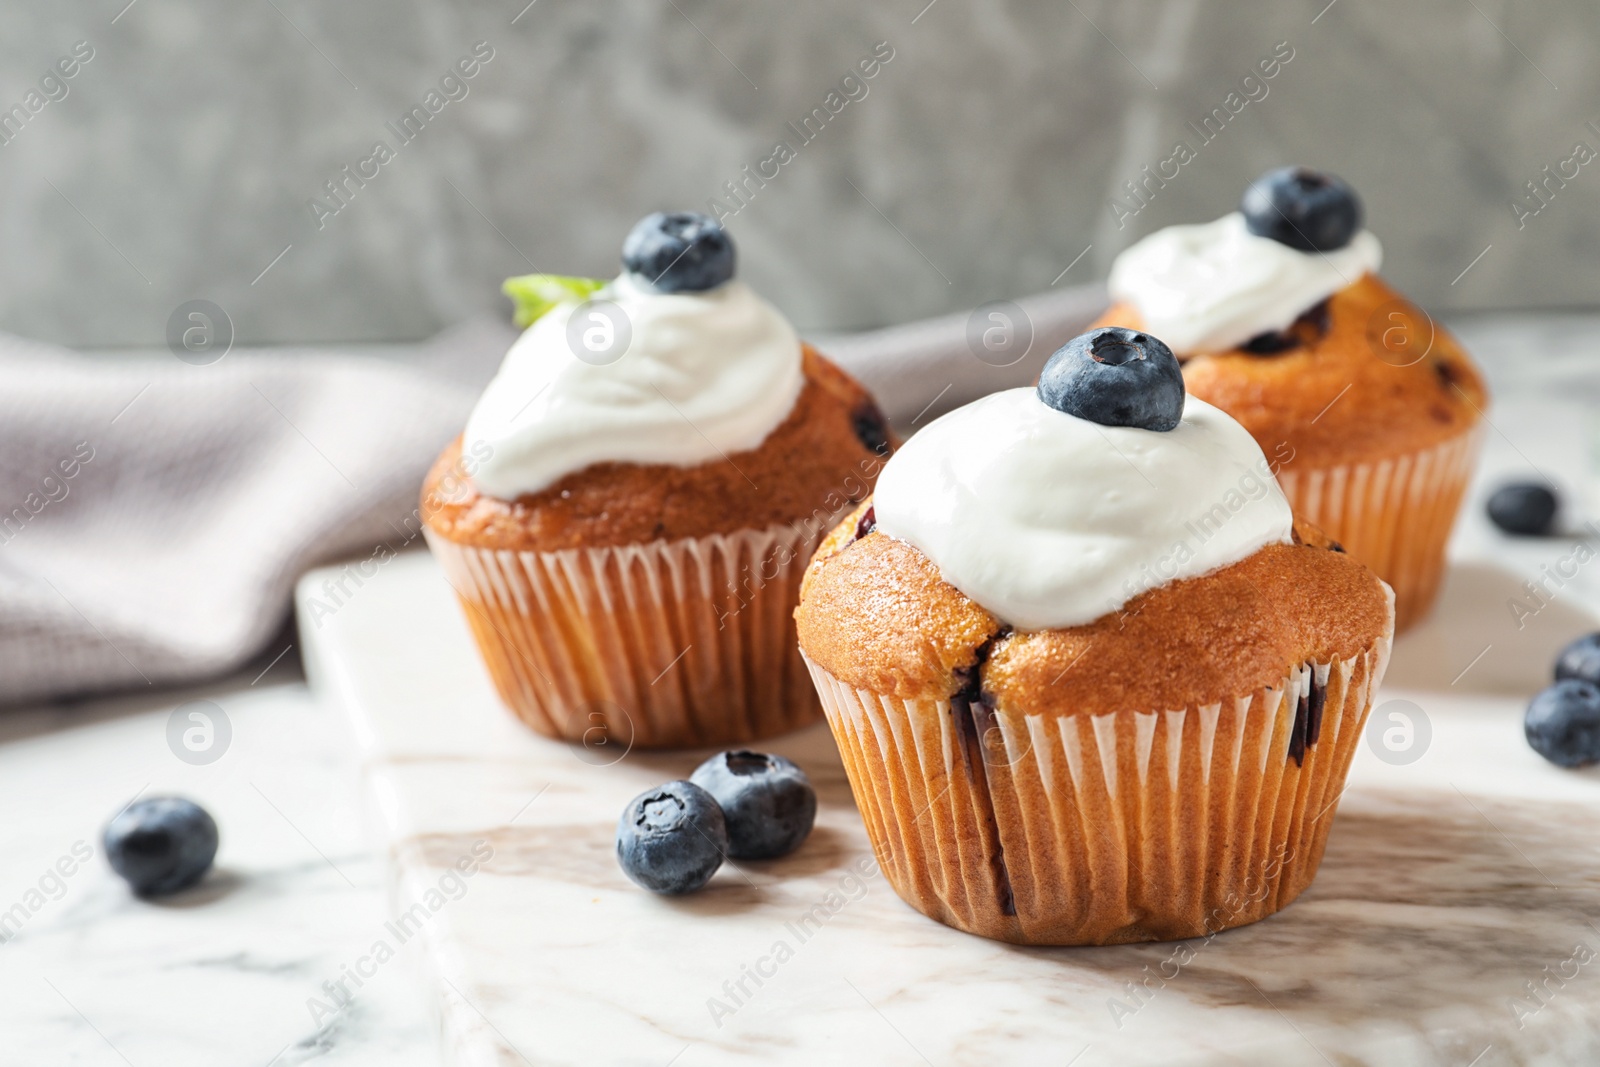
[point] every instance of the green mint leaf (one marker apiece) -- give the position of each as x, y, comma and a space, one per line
535, 294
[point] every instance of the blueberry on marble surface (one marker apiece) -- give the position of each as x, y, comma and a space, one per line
1524, 508
1563, 723
767, 800
1580, 660
672, 839
678, 252
1115, 377
1302, 208
161, 845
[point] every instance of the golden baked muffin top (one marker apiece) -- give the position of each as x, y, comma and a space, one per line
1346, 382
825, 455
875, 613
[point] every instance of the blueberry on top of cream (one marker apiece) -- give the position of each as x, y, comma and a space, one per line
678, 252
1302, 208
1295, 242
1115, 377
693, 365
1055, 506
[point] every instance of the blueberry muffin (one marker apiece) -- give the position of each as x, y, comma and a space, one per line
1368, 410
629, 512
1091, 680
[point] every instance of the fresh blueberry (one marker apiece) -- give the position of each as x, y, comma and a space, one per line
672, 839
1563, 723
1526, 508
1302, 208
768, 801
1115, 377
160, 845
1580, 660
678, 252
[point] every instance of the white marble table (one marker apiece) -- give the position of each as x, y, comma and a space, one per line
225, 976
222, 974
1450, 882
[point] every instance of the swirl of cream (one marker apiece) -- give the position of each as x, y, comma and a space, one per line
1212, 287
1047, 520
703, 375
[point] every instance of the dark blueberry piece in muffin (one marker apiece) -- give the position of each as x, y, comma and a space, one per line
1271, 343
871, 428
866, 524
1449, 375
1308, 328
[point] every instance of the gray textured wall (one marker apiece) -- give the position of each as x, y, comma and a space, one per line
982, 160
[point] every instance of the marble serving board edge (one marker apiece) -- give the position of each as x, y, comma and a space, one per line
1450, 884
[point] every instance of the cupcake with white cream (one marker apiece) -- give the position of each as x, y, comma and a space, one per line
1091, 681
628, 513
1368, 409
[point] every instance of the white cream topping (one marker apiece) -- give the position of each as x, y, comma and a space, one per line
1211, 287
1047, 520
701, 376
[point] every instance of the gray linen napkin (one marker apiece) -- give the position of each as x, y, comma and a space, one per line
154, 514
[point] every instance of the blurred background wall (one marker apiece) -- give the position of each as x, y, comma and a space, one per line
186, 155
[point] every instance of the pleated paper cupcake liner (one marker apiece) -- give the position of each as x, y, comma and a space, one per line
1101, 829
660, 645
1394, 515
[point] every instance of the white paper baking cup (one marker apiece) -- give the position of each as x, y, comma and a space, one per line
1394, 515
666, 644
1100, 829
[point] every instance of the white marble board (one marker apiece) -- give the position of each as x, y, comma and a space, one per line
1450, 883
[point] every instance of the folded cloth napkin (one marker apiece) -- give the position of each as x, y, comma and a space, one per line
154, 515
